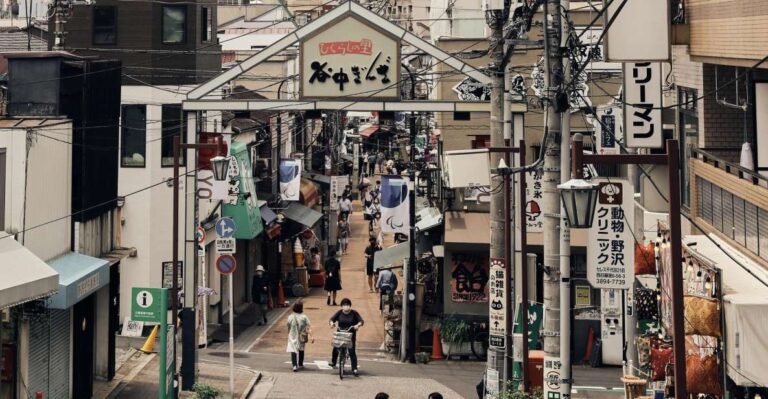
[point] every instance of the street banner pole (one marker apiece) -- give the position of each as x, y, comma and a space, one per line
231, 339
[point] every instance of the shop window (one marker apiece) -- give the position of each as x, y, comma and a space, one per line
105, 25
134, 135
174, 24
173, 126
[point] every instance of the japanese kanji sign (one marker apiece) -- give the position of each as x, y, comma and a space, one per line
533, 196
611, 247
609, 129
350, 59
642, 106
497, 314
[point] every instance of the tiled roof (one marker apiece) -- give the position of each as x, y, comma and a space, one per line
15, 39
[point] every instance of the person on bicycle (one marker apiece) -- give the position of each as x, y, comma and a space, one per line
386, 283
347, 319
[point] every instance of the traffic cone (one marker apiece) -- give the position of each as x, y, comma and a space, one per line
437, 346
280, 295
149, 344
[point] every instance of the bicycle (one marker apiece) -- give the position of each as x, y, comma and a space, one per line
342, 340
478, 340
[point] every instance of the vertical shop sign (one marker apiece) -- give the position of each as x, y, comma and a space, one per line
497, 312
533, 196
642, 104
610, 247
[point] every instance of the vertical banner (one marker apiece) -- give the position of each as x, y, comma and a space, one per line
497, 312
609, 128
611, 246
642, 104
338, 184
394, 205
290, 179
533, 195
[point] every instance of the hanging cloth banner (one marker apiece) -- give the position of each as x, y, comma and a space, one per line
290, 179
394, 205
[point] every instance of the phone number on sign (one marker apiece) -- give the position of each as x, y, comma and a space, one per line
611, 281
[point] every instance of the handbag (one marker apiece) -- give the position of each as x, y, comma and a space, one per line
304, 336
645, 259
702, 316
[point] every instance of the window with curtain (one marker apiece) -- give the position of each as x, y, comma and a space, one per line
134, 136
173, 125
105, 25
174, 24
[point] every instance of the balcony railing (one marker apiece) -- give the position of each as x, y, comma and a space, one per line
731, 200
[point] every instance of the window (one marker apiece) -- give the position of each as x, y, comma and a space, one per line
2, 189
174, 24
134, 127
481, 141
206, 21
105, 25
173, 125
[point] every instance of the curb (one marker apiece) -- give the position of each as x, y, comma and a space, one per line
252, 384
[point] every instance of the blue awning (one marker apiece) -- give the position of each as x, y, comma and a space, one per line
267, 214
79, 276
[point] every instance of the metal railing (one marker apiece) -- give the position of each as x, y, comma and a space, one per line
706, 156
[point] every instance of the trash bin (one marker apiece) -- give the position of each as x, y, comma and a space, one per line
536, 368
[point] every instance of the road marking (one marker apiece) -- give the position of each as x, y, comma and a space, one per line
321, 364
266, 330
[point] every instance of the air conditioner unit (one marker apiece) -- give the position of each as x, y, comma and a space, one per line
262, 168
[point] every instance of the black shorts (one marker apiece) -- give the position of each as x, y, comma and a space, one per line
369, 269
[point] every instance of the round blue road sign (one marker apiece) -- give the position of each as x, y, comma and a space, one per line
226, 264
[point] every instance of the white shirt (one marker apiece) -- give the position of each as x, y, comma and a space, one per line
345, 205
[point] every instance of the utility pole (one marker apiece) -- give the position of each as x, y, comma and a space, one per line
565, 231
61, 10
496, 17
555, 102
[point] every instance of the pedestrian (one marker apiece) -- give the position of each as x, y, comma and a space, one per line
332, 277
381, 395
299, 333
370, 250
347, 319
373, 214
260, 294
314, 261
386, 283
435, 395
380, 161
344, 233
371, 163
345, 207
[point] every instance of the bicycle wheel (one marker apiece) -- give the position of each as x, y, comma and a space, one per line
342, 360
479, 345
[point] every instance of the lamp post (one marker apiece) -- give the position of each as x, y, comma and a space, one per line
220, 166
578, 200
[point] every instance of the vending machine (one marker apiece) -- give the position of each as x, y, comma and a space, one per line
612, 326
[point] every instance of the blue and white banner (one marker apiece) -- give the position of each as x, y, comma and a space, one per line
290, 179
394, 205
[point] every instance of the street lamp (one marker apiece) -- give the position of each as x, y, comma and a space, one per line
582, 210
220, 166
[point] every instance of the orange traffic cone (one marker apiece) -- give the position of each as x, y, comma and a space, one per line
437, 347
280, 295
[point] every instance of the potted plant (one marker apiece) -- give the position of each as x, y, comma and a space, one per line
454, 336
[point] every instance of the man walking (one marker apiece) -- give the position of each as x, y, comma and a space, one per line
387, 284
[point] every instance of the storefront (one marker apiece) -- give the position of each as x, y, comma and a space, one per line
466, 264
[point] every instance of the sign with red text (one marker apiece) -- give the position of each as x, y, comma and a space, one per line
350, 59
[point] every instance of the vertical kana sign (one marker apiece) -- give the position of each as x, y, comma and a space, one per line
642, 106
350, 59
611, 246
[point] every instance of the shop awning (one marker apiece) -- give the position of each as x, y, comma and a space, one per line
317, 178
24, 276
267, 214
390, 255
428, 218
745, 305
308, 195
301, 214
368, 132
467, 228
79, 276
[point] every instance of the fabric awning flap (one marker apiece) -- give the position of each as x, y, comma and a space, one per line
267, 214
301, 214
317, 178
467, 228
79, 276
390, 255
428, 218
25, 276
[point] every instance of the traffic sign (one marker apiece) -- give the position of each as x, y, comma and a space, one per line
225, 227
226, 245
226, 264
200, 235
149, 304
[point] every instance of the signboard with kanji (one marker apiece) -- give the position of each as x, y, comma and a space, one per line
350, 59
497, 313
611, 247
642, 105
533, 196
609, 129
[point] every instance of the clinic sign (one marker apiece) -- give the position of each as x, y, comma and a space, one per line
350, 59
642, 104
611, 247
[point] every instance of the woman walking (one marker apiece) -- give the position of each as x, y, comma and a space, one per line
332, 277
299, 333
344, 233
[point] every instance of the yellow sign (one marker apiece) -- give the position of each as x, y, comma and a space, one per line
583, 296
350, 59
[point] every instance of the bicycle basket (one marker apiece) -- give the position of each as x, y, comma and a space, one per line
342, 339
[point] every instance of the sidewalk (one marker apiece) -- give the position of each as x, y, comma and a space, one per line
138, 379
355, 287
